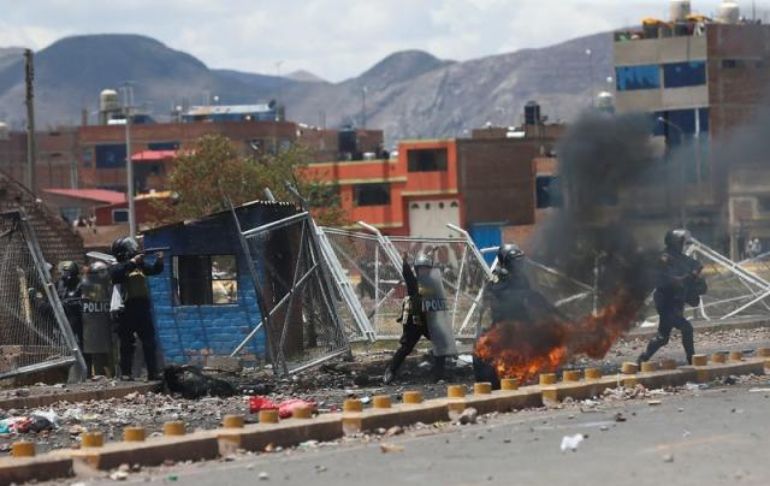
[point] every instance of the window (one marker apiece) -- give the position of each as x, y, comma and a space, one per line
119, 216
163, 145
205, 279
684, 74
729, 64
372, 194
547, 190
631, 78
427, 160
111, 156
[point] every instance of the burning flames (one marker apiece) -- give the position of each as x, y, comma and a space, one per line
525, 349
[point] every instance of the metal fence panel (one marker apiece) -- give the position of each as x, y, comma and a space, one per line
299, 304
34, 332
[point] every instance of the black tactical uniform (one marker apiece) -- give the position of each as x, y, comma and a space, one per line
136, 318
70, 294
678, 282
414, 321
509, 298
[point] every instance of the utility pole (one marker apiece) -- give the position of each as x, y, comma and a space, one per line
129, 98
29, 77
363, 107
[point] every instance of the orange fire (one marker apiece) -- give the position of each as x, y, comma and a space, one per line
524, 350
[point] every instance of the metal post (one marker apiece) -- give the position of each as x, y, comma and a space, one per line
29, 79
129, 164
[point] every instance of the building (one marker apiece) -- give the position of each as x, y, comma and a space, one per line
232, 113
698, 79
486, 183
76, 204
204, 302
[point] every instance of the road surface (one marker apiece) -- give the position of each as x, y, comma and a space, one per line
713, 436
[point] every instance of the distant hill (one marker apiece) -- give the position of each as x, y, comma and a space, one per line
408, 94
305, 76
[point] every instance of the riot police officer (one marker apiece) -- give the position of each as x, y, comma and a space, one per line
678, 283
131, 274
69, 292
97, 324
509, 297
423, 313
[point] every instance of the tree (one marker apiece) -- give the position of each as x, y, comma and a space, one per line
207, 178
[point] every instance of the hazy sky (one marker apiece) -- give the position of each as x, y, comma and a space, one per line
334, 39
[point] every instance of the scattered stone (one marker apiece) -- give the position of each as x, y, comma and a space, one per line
619, 417
389, 448
119, 476
668, 458
395, 430
654, 403
263, 476
604, 428
469, 416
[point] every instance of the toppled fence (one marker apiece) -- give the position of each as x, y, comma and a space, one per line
300, 305
34, 332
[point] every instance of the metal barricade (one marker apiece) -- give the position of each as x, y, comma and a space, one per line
299, 304
34, 332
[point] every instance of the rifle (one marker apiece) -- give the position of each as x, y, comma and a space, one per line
107, 258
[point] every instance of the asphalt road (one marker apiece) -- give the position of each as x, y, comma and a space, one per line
714, 436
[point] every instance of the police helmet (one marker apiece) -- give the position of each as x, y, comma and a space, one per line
676, 239
69, 269
509, 253
124, 248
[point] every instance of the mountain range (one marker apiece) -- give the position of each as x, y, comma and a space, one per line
409, 94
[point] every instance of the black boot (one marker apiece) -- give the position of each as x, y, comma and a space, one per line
439, 367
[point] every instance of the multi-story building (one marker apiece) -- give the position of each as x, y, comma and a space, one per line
486, 183
699, 79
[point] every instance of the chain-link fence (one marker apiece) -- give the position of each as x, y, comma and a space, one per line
299, 304
34, 332
372, 265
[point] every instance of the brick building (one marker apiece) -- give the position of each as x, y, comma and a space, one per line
700, 80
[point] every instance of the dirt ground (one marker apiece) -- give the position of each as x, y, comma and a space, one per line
328, 386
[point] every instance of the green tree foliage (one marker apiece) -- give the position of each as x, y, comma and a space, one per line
205, 178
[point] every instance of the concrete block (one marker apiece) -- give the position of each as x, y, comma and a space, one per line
593, 373
455, 391
284, 434
719, 358
509, 384
572, 376
372, 419
43, 468
381, 401
192, 447
736, 356
763, 352
700, 360
482, 388
704, 374
269, 416
174, 428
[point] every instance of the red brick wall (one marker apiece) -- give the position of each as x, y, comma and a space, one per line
497, 180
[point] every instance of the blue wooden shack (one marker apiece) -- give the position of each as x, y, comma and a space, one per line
204, 302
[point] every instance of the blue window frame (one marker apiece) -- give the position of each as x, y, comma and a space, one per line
684, 74
631, 78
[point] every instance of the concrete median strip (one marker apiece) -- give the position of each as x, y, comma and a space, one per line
48, 467
177, 445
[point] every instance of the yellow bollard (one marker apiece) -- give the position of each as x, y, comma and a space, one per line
593, 373
23, 448
174, 428
509, 384
413, 397
547, 378
455, 391
268, 416
381, 401
91, 439
352, 405
719, 358
629, 368
134, 434
233, 421
302, 413
700, 360
649, 367
482, 388
571, 376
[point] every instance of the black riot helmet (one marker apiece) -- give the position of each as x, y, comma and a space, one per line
508, 255
69, 269
124, 248
676, 239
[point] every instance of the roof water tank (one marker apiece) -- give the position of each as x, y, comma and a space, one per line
532, 113
605, 101
680, 9
729, 13
108, 100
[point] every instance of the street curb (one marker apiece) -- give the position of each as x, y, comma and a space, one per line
153, 452
43, 468
260, 437
77, 396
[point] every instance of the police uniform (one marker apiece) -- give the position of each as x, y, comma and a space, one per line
677, 283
